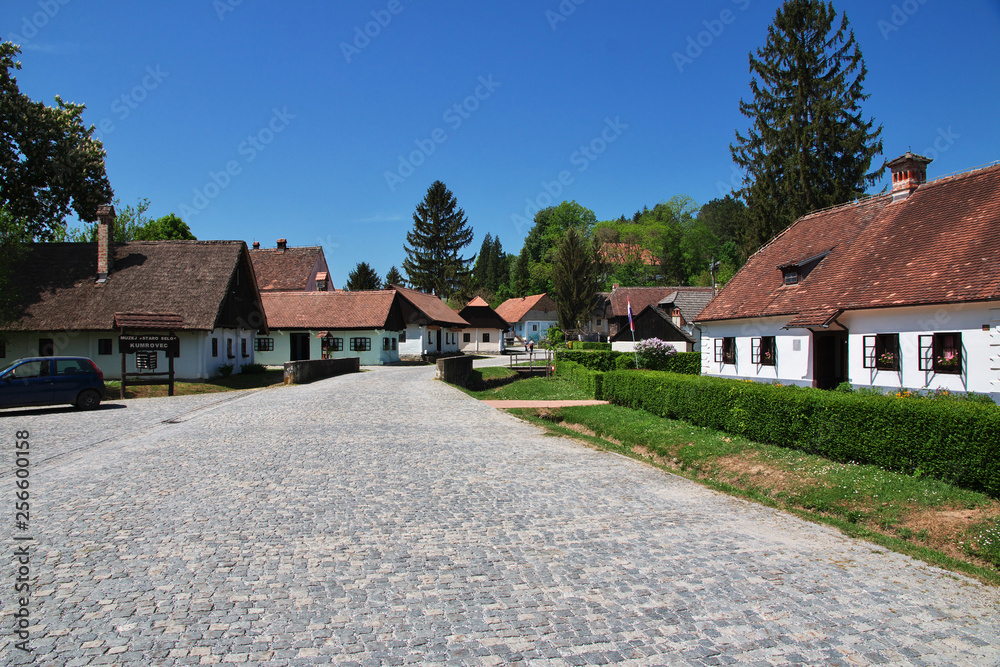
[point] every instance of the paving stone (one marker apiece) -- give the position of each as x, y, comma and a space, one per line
385, 518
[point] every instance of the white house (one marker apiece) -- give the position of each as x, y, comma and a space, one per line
529, 317
331, 325
899, 291
431, 327
485, 331
79, 298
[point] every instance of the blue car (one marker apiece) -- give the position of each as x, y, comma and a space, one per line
52, 381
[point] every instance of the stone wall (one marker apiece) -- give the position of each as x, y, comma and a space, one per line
303, 372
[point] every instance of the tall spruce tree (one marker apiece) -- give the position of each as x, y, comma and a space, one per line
808, 145
363, 277
394, 277
440, 231
576, 274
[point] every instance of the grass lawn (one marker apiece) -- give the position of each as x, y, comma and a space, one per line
530, 389
231, 383
924, 518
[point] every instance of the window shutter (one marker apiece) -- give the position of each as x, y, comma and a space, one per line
926, 347
718, 350
869, 345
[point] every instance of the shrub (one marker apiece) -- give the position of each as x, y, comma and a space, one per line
653, 353
688, 363
956, 441
555, 336
225, 370
581, 376
252, 369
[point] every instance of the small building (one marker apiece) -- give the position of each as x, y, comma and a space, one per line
432, 328
897, 291
284, 269
672, 316
331, 325
529, 317
79, 298
486, 328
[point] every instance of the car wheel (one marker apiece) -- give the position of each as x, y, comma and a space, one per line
88, 400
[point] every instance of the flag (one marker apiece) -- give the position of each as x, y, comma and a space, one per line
631, 324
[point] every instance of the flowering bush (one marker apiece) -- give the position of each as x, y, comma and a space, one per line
654, 353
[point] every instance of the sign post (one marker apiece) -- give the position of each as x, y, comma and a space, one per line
150, 343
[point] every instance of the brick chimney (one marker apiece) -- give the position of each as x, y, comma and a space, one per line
256, 245
909, 172
282, 245
105, 241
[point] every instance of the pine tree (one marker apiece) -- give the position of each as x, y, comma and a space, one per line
520, 279
440, 231
808, 145
363, 277
484, 265
575, 274
394, 277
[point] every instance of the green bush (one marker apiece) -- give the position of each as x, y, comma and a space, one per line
955, 441
590, 345
581, 376
225, 370
688, 363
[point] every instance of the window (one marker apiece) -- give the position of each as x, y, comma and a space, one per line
3, 350
229, 349
791, 276
941, 353
486, 337
243, 348
361, 344
103, 346
763, 351
263, 345
386, 345
71, 367
466, 338
402, 336
882, 352
393, 343
597, 322
46, 347
534, 327
320, 285
338, 344
725, 350
215, 347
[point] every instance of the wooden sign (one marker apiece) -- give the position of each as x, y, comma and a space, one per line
129, 343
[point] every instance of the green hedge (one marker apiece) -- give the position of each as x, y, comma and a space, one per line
588, 345
581, 376
686, 363
958, 442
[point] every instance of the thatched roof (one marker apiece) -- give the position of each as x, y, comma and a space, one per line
193, 285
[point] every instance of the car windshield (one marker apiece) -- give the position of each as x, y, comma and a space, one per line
7, 367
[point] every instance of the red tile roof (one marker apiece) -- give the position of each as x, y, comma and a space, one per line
436, 310
478, 301
287, 270
624, 253
513, 310
651, 296
939, 245
330, 310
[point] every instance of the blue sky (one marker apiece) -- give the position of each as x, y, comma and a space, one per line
325, 122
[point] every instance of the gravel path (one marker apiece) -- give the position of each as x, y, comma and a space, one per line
385, 518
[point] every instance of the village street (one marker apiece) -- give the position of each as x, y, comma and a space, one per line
386, 518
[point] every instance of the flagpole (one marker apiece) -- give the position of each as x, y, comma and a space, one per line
631, 325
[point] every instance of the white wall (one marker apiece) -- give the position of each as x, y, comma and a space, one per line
980, 348
979, 325
793, 364
194, 363
476, 344
374, 357
422, 340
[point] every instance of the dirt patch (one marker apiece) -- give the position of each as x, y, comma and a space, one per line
583, 430
757, 473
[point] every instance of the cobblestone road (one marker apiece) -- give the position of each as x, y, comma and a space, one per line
384, 518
